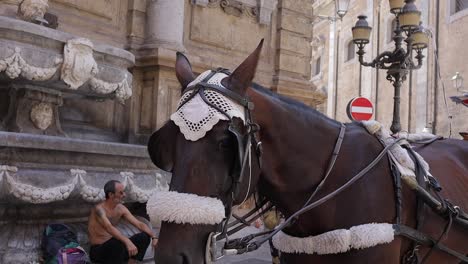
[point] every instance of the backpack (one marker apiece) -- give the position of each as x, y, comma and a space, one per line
54, 237
72, 255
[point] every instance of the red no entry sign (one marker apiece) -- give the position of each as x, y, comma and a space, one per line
465, 102
360, 109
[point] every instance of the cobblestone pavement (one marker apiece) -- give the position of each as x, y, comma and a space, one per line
259, 256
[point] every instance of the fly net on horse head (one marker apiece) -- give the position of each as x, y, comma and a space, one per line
343, 188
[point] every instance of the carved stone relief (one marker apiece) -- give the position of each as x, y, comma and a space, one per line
122, 89
201, 2
32, 10
262, 11
43, 61
32, 111
15, 65
77, 185
42, 115
79, 64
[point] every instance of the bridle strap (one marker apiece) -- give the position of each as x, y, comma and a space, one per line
335, 153
244, 139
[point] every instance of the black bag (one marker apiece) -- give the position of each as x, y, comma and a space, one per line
54, 237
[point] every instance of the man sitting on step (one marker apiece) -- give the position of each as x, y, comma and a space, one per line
108, 244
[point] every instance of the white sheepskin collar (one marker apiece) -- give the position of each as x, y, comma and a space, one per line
336, 241
184, 208
398, 154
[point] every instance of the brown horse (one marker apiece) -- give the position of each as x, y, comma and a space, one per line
298, 143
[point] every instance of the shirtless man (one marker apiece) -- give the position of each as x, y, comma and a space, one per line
108, 244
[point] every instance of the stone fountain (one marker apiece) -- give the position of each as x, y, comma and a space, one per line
62, 132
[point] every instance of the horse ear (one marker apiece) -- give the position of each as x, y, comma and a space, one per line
161, 146
183, 70
243, 75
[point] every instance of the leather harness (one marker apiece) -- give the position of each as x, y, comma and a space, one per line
245, 139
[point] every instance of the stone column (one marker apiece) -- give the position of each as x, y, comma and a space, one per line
292, 69
165, 24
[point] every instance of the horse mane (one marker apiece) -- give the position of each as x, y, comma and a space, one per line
297, 106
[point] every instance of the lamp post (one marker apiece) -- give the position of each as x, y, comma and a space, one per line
399, 61
341, 8
457, 80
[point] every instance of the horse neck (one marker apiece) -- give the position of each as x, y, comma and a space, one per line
297, 143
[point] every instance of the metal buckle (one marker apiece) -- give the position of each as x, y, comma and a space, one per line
213, 246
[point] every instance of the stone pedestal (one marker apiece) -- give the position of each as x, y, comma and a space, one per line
50, 179
46, 176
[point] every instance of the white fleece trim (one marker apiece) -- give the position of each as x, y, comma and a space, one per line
336, 241
398, 154
184, 208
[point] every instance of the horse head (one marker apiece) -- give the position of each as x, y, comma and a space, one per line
209, 145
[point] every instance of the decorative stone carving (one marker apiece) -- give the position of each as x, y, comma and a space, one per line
200, 2
262, 11
32, 194
122, 89
136, 193
79, 65
77, 184
15, 65
87, 192
234, 8
33, 111
42, 115
78, 68
32, 10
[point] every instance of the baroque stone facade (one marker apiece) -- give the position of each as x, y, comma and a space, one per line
425, 103
83, 84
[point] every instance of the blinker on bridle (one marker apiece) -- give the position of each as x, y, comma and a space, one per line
244, 140
245, 135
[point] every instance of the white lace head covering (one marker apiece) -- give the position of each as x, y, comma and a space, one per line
195, 118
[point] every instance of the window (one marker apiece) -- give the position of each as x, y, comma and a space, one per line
458, 5
391, 30
350, 52
317, 65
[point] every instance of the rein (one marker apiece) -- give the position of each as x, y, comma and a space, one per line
246, 136
243, 245
256, 244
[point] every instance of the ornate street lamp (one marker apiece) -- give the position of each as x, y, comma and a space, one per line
457, 80
341, 8
399, 61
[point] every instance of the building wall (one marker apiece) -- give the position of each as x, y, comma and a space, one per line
425, 102
215, 34
453, 37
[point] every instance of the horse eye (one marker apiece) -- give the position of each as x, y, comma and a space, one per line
225, 144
